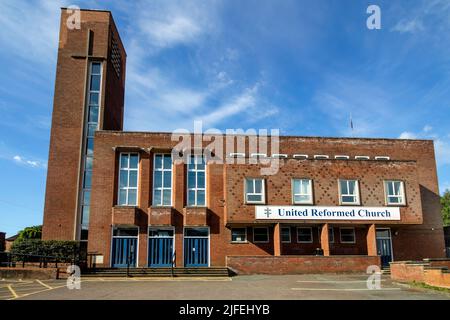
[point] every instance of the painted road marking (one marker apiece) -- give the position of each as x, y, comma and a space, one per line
12, 291
335, 281
345, 289
45, 285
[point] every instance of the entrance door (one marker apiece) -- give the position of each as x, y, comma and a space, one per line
124, 247
384, 246
160, 247
196, 247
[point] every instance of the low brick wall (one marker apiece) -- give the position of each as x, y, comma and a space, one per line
423, 272
300, 264
30, 273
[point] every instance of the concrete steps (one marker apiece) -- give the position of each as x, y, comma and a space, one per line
159, 272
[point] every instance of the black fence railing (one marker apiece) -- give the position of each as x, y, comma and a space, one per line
14, 260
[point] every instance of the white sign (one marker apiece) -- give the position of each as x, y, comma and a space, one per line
326, 213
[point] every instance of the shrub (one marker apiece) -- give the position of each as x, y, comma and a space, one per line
63, 250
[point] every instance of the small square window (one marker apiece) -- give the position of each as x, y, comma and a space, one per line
395, 192
349, 192
261, 235
302, 191
304, 235
347, 235
254, 190
238, 235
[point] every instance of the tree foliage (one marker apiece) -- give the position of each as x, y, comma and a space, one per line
445, 202
34, 232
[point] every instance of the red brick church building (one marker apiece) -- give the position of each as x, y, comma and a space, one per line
335, 204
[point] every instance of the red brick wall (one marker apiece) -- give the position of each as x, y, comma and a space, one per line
300, 264
420, 272
60, 212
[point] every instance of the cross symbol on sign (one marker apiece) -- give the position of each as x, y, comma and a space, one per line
267, 212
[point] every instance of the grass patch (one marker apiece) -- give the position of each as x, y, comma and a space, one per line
426, 286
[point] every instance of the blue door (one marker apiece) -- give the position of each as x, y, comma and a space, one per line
160, 252
196, 252
124, 252
384, 246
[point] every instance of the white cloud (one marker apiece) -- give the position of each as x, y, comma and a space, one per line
407, 135
427, 128
411, 26
30, 163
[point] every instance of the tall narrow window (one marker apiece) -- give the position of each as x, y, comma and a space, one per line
162, 180
196, 182
90, 126
302, 191
348, 191
254, 190
395, 192
128, 179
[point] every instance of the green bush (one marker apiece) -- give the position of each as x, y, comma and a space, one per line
61, 249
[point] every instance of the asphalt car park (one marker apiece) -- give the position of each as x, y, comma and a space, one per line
288, 287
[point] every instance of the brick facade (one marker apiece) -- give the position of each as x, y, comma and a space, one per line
417, 235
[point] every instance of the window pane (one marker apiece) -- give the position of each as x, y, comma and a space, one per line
93, 114
133, 179
191, 179
157, 197
348, 199
91, 130
124, 160
122, 197
93, 99
249, 185
88, 163
132, 199
125, 232
390, 188
158, 179
123, 180
397, 187
196, 232
95, 68
134, 161
285, 234
260, 235
296, 186
158, 161
238, 235
254, 198
344, 189
330, 234
167, 162
167, 194
302, 198
200, 180
200, 198
87, 197
306, 184
351, 187
258, 186
191, 198
90, 146
394, 200
304, 235
167, 179
95, 83
87, 179
85, 216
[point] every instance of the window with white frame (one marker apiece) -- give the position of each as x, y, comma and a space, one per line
302, 191
261, 234
286, 234
304, 235
395, 192
347, 235
348, 192
162, 180
254, 190
196, 182
128, 179
238, 235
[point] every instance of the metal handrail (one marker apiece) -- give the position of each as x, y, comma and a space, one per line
173, 262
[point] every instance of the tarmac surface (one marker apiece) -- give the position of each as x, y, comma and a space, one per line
255, 287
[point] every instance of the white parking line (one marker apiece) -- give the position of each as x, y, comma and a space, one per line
360, 289
334, 281
45, 285
12, 291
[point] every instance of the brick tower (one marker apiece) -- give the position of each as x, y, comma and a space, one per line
89, 96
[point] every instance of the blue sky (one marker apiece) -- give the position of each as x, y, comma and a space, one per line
300, 66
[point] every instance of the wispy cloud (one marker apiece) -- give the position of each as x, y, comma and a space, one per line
411, 26
29, 163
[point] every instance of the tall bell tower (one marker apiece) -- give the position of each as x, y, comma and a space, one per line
89, 96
